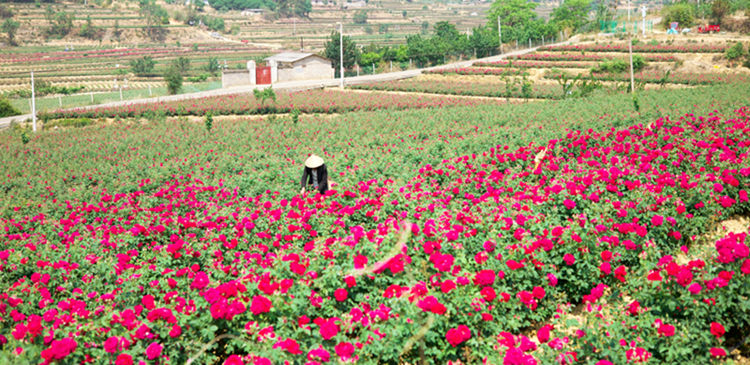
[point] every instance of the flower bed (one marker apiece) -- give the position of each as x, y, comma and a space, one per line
587, 57
312, 101
451, 87
452, 265
658, 77
640, 48
477, 71
536, 64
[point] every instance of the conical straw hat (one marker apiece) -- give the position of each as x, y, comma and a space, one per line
313, 161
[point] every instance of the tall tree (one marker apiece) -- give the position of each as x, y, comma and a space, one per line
514, 16
351, 54
10, 27
572, 14
155, 16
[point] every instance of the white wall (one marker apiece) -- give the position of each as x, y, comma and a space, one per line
311, 68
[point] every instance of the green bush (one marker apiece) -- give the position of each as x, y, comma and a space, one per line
735, 52
173, 77
621, 65
612, 66
69, 122
7, 110
681, 13
142, 66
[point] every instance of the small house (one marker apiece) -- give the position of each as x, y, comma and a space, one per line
295, 66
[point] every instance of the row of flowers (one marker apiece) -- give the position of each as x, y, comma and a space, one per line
640, 48
455, 263
312, 101
659, 77
477, 71
586, 57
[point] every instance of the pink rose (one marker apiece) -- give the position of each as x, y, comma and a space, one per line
153, 351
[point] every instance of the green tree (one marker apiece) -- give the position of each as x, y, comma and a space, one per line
6, 109
212, 66
369, 58
60, 22
88, 30
515, 16
155, 16
483, 40
5, 12
604, 10
719, 9
264, 94
10, 27
351, 54
681, 13
572, 14
142, 66
360, 17
182, 63
173, 77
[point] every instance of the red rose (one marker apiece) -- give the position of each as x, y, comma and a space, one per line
124, 359
666, 330
153, 351
717, 329
455, 336
329, 329
718, 352
341, 294
260, 305
344, 350
484, 277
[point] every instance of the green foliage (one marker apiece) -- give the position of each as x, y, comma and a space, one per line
351, 53
636, 102
43, 87
264, 94
209, 122
618, 65
682, 13
720, 9
214, 23
6, 109
173, 77
25, 138
572, 14
200, 78
360, 17
142, 66
295, 115
612, 66
5, 12
60, 22
182, 63
519, 21
10, 27
212, 66
68, 123
88, 30
155, 16
369, 58
735, 52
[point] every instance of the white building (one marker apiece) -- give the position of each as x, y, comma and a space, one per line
293, 66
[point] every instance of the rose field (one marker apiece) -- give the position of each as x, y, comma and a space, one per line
576, 231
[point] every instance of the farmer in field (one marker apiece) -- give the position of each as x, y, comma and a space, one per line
315, 175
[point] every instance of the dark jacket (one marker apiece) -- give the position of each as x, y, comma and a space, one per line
307, 178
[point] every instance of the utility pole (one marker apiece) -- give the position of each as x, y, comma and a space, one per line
33, 104
341, 52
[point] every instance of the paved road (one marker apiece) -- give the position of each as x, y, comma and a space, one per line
291, 85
